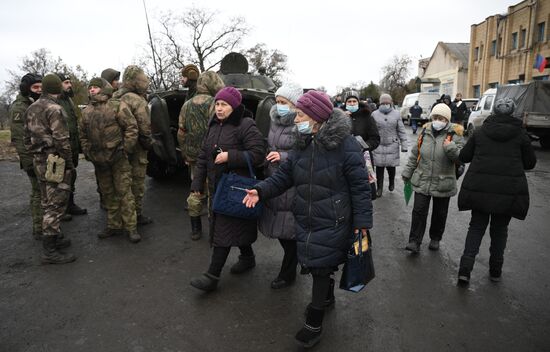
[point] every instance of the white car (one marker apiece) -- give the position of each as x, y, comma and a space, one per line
482, 110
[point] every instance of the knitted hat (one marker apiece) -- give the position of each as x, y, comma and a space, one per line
190, 71
110, 75
63, 76
441, 109
51, 84
316, 105
290, 91
504, 106
97, 82
385, 98
230, 95
351, 94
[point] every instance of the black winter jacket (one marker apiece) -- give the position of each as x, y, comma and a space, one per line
363, 124
332, 192
233, 135
495, 182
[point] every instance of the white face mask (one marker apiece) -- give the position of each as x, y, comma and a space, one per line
439, 125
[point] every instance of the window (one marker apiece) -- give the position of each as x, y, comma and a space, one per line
522, 37
540, 78
541, 31
493, 48
515, 81
499, 45
476, 53
481, 52
488, 102
476, 91
514, 40
493, 85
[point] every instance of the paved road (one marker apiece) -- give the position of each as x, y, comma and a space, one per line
124, 297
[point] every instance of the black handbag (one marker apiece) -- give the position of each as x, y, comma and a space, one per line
230, 192
359, 268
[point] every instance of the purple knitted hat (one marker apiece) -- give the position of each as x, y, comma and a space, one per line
230, 95
316, 105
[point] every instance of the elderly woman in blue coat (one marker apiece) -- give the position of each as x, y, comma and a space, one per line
332, 199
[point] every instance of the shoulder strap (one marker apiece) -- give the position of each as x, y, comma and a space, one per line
249, 163
419, 144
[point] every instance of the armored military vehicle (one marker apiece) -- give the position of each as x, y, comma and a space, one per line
258, 93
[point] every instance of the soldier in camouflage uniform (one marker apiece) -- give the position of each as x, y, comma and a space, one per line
29, 91
134, 105
108, 136
46, 133
193, 123
189, 76
72, 123
112, 76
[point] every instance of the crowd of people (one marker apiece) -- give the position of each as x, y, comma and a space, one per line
317, 192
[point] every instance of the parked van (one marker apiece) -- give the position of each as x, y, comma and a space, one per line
425, 100
482, 110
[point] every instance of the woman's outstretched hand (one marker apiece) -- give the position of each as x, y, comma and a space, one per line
251, 198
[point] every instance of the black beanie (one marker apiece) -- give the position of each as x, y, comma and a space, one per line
51, 84
63, 76
27, 81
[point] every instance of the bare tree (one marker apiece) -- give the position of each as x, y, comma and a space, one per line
270, 62
395, 77
199, 36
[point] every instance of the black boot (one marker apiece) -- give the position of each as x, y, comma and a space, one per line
391, 186
51, 255
196, 228
379, 186
143, 220
310, 334
244, 264
434, 245
66, 217
466, 266
134, 236
495, 269
206, 282
62, 242
413, 247
74, 209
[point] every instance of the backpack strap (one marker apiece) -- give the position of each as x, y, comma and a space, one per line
419, 144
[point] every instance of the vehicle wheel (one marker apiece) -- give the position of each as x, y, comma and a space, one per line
545, 142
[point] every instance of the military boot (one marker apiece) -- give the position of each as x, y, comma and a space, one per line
134, 236
206, 282
196, 228
143, 220
51, 255
244, 264
62, 242
66, 217
310, 334
107, 232
74, 209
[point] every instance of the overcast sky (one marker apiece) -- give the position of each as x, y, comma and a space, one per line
327, 46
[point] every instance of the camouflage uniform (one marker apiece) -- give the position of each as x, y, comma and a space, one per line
46, 133
133, 105
107, 136
193, 123
17, 127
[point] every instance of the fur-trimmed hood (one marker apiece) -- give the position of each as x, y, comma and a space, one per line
332, 132
281, 120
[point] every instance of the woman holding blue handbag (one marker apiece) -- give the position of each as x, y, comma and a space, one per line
332, 198
229, 138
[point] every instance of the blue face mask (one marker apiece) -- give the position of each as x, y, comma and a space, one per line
304, 127
283, 110
352, 108
385, 108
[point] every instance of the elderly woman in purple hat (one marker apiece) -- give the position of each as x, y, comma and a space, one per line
229, 135
332, 201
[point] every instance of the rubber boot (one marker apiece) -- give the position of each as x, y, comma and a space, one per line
196, 228
466, 266
74, 209
143, 220
243, 265
206, 282
310, 334
51, 255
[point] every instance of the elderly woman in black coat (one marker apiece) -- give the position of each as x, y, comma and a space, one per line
229, 135
495, 187
332, 198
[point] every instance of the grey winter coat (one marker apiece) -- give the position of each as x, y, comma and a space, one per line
434, 175
277, 220
392, 133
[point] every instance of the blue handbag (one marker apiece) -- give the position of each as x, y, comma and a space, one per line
230, 192
359, 268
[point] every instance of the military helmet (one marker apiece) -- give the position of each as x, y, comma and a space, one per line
504, 106
27, 81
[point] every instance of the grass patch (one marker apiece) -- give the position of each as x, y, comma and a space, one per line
5, 135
